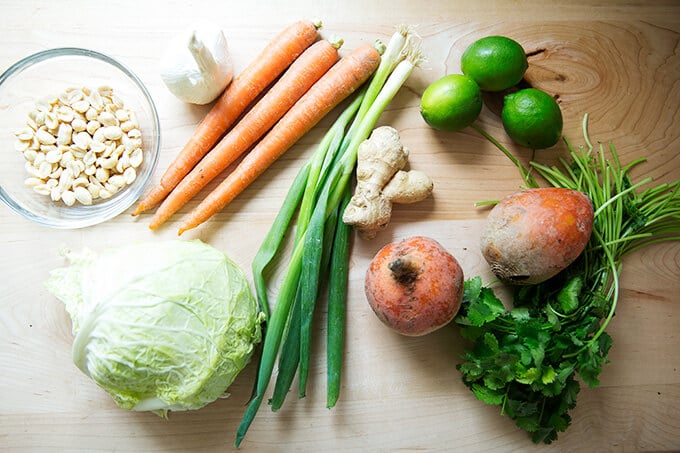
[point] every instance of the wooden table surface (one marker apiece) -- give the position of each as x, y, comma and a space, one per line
617, 61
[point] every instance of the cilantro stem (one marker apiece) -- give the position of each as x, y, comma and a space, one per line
526, 174
614, 272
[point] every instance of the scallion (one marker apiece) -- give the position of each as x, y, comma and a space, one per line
321, 239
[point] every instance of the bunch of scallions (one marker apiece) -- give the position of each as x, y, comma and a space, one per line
318, 195
526, 359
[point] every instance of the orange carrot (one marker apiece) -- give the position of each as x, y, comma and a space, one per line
296, 81
337, 84
239, 94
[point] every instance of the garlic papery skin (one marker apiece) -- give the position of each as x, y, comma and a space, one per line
197, 66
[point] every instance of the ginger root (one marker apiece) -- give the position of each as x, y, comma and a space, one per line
382, 181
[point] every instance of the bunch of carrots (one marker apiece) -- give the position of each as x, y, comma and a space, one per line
321, 241
312, 80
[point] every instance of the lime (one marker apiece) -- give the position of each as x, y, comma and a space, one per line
496, 63
451, 103
532, 118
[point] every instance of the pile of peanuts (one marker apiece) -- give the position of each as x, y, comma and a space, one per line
80, 146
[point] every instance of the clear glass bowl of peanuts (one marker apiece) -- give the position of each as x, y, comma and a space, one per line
79, 137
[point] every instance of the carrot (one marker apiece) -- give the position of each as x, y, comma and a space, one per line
297, 80
339, 82
241, 92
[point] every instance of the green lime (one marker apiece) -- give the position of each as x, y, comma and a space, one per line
532, 118
496, 63
451, 103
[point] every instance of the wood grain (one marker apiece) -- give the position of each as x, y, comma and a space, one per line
618, 62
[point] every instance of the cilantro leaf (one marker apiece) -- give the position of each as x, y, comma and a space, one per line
592, 358
480, 304
529, 376
520, 314
471, 288
548, 376
524, 362
487, 395
519, 408
568, 297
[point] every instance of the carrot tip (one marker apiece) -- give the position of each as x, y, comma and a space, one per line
155, 223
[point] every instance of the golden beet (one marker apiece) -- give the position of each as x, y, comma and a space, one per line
532, 235
414, 286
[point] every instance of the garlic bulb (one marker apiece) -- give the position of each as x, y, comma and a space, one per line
197, 66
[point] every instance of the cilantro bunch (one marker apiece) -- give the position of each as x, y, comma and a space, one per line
531, 358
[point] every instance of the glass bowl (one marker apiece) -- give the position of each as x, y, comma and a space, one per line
42, 77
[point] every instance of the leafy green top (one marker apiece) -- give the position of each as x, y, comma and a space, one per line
526, 358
